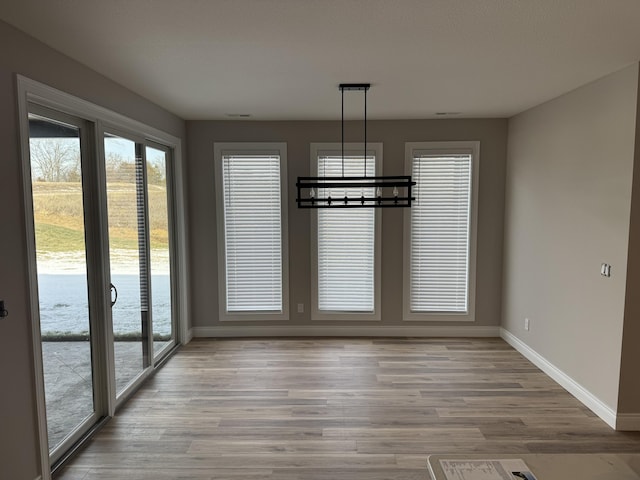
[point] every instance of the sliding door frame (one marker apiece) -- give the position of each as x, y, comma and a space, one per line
105, 129
99, 380
173, 264
96, 120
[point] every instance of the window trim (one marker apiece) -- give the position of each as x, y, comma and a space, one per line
455, 147
251, 148
316, 314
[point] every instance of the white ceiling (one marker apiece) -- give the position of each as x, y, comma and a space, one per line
283, 59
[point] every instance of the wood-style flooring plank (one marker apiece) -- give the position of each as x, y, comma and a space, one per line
336, 408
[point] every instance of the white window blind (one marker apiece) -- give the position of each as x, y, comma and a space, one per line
346, 243
440, 233
253, 232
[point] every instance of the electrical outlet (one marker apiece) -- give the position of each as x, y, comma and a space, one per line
301, 308
526, 324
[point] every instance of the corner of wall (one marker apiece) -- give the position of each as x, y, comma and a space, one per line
629, 383
628, 422
189, 336
587, 398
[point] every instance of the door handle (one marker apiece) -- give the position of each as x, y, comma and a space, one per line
114, 290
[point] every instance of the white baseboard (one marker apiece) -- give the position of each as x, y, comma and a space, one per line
345, 331
628, 422
592, 402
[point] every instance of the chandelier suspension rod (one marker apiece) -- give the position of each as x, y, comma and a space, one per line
365, 132
342, 122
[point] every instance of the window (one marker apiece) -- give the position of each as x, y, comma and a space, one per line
439, 279
346, 242
252, 226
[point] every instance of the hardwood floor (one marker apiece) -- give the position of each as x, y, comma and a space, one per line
302, 409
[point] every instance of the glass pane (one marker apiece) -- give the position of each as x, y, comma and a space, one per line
439, 277
346, 242
62, 275
159, 252
253, 232
126, 240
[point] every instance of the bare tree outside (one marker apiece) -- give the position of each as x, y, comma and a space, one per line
54, 160
118, 167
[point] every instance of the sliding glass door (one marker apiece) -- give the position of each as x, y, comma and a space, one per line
127, 258
103, 287
57, 145
139, 254
160, 217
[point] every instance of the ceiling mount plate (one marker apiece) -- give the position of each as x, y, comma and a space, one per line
354, 86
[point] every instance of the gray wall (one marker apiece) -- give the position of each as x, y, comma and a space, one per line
298, 135
629, 393
24, 55
568, 198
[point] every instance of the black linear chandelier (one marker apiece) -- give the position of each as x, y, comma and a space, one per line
383, 192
